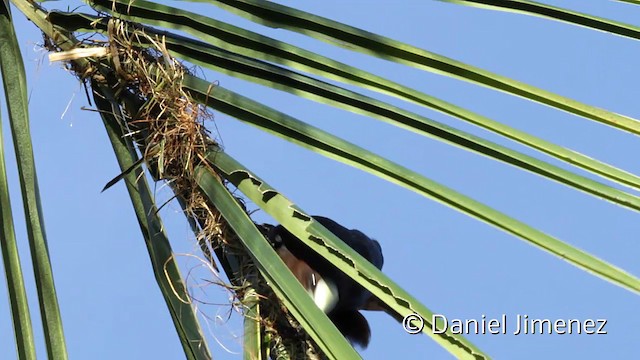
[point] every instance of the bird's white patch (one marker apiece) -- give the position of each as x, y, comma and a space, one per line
325, 295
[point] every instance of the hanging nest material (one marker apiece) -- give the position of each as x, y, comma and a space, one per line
167, 126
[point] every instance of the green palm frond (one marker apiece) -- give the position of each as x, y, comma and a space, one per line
556, 13
154, 108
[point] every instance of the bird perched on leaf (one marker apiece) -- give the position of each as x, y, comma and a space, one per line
335, 293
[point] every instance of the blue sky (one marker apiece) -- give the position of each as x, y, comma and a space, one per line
455, 265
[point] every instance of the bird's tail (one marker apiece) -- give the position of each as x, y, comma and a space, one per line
354, 326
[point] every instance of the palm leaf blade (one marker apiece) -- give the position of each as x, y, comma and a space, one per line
275, 15
342, 256
319, 141
15, 87
555, 13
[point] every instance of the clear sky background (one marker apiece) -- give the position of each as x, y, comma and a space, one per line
110, 303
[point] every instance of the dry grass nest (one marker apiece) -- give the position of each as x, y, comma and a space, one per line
168, 127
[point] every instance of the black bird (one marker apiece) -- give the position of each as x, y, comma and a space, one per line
335, 293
